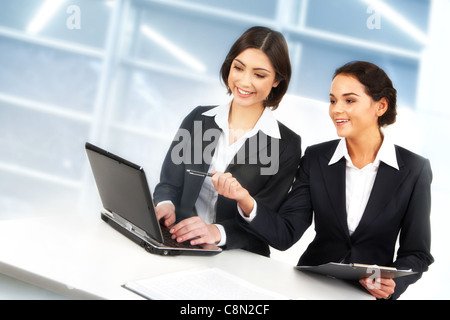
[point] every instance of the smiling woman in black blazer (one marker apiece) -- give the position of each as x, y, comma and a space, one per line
363, 192
242, 138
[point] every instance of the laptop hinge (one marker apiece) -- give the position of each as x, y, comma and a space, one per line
130, 227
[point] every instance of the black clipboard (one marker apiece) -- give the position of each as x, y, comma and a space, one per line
355, 271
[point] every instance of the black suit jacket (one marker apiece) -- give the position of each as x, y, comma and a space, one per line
183, 189
400, 202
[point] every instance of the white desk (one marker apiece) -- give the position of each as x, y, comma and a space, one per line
84, 258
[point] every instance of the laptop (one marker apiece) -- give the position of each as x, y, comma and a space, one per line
128, 206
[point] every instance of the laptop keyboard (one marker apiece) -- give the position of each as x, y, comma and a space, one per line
168, 241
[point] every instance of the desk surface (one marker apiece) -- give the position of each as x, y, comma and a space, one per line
84, 258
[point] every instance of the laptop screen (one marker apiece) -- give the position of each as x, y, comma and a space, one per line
124, 190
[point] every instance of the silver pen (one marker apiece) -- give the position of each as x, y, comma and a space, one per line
199, 173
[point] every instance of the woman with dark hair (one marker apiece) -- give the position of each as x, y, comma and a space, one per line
363, 191
243, 138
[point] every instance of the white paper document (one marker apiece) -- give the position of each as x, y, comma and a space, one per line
200, 284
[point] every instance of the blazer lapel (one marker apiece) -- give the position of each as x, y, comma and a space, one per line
210, 137
387, 181
253, 150
334, 180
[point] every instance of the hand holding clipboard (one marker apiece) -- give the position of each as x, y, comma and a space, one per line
355, 271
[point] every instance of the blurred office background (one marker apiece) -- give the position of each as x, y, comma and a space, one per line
122, 74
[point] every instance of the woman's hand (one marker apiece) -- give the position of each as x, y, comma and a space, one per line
227, 186
196, 230
380, 288
166, 211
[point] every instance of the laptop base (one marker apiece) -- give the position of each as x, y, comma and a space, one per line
152, 248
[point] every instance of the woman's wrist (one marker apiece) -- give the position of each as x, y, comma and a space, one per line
246, 204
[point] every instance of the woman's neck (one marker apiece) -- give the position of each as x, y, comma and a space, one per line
363, 150
242, 119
